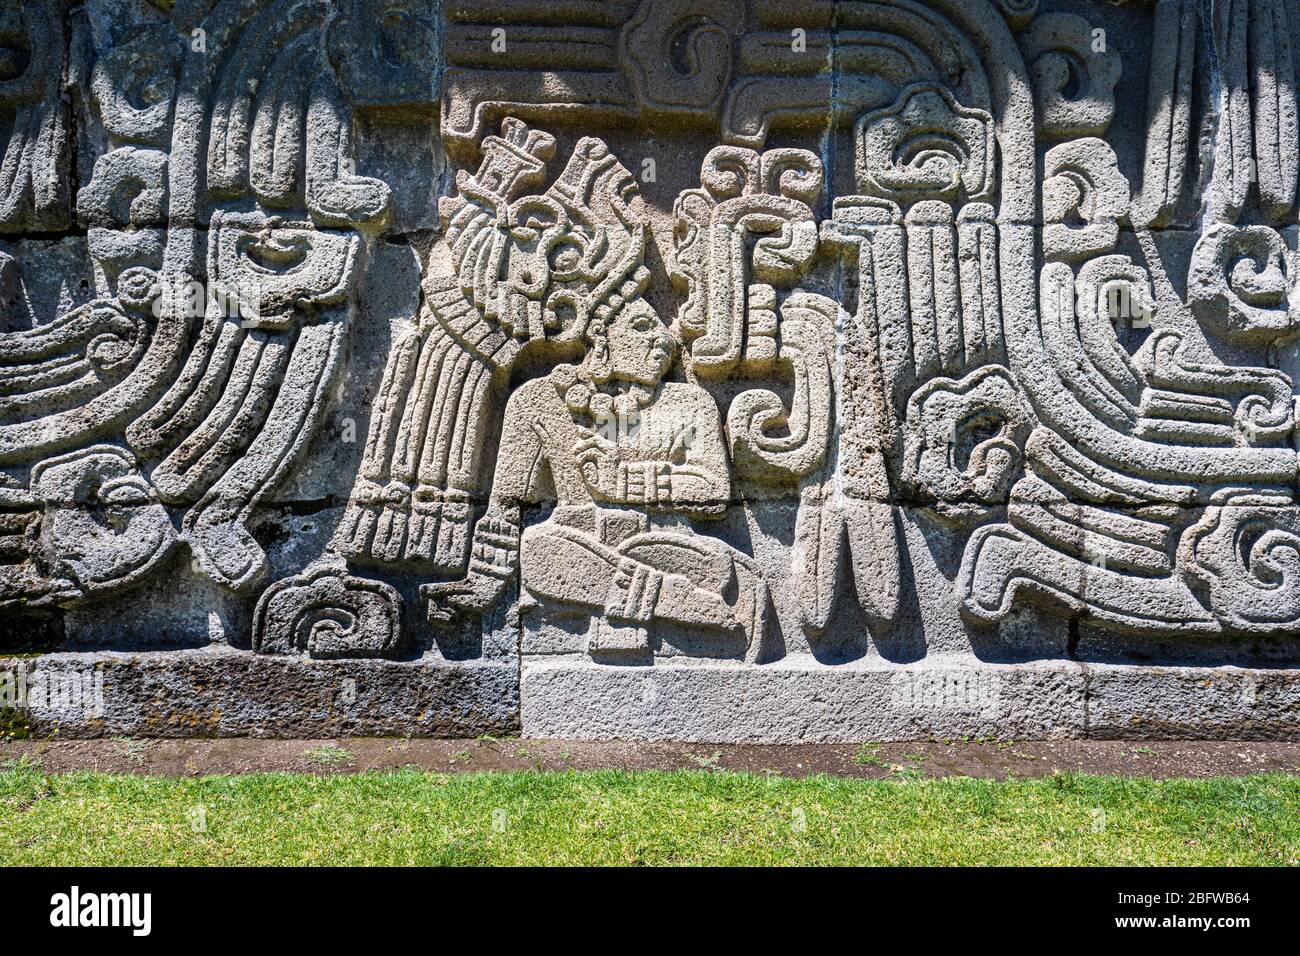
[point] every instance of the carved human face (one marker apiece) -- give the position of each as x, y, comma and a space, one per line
640, 346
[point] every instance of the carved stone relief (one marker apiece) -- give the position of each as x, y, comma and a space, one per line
773, 354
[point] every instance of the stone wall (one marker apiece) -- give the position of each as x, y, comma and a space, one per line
769, 370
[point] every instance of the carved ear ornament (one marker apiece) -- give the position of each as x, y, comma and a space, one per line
597, 364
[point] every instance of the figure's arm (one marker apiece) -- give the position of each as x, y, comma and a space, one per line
702, 482
494, 558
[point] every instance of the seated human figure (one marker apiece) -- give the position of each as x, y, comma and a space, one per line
626, 456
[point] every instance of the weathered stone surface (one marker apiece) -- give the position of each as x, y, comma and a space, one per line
806, 362
800, 700
218, 692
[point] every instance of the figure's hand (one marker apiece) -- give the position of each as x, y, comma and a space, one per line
446, 601
597, 459
594, 446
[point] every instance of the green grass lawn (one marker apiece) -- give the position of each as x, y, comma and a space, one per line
613, 817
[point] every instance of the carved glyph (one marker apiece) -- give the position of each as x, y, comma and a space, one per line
327, 613
1074, 73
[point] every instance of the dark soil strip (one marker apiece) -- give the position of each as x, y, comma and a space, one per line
993, 760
